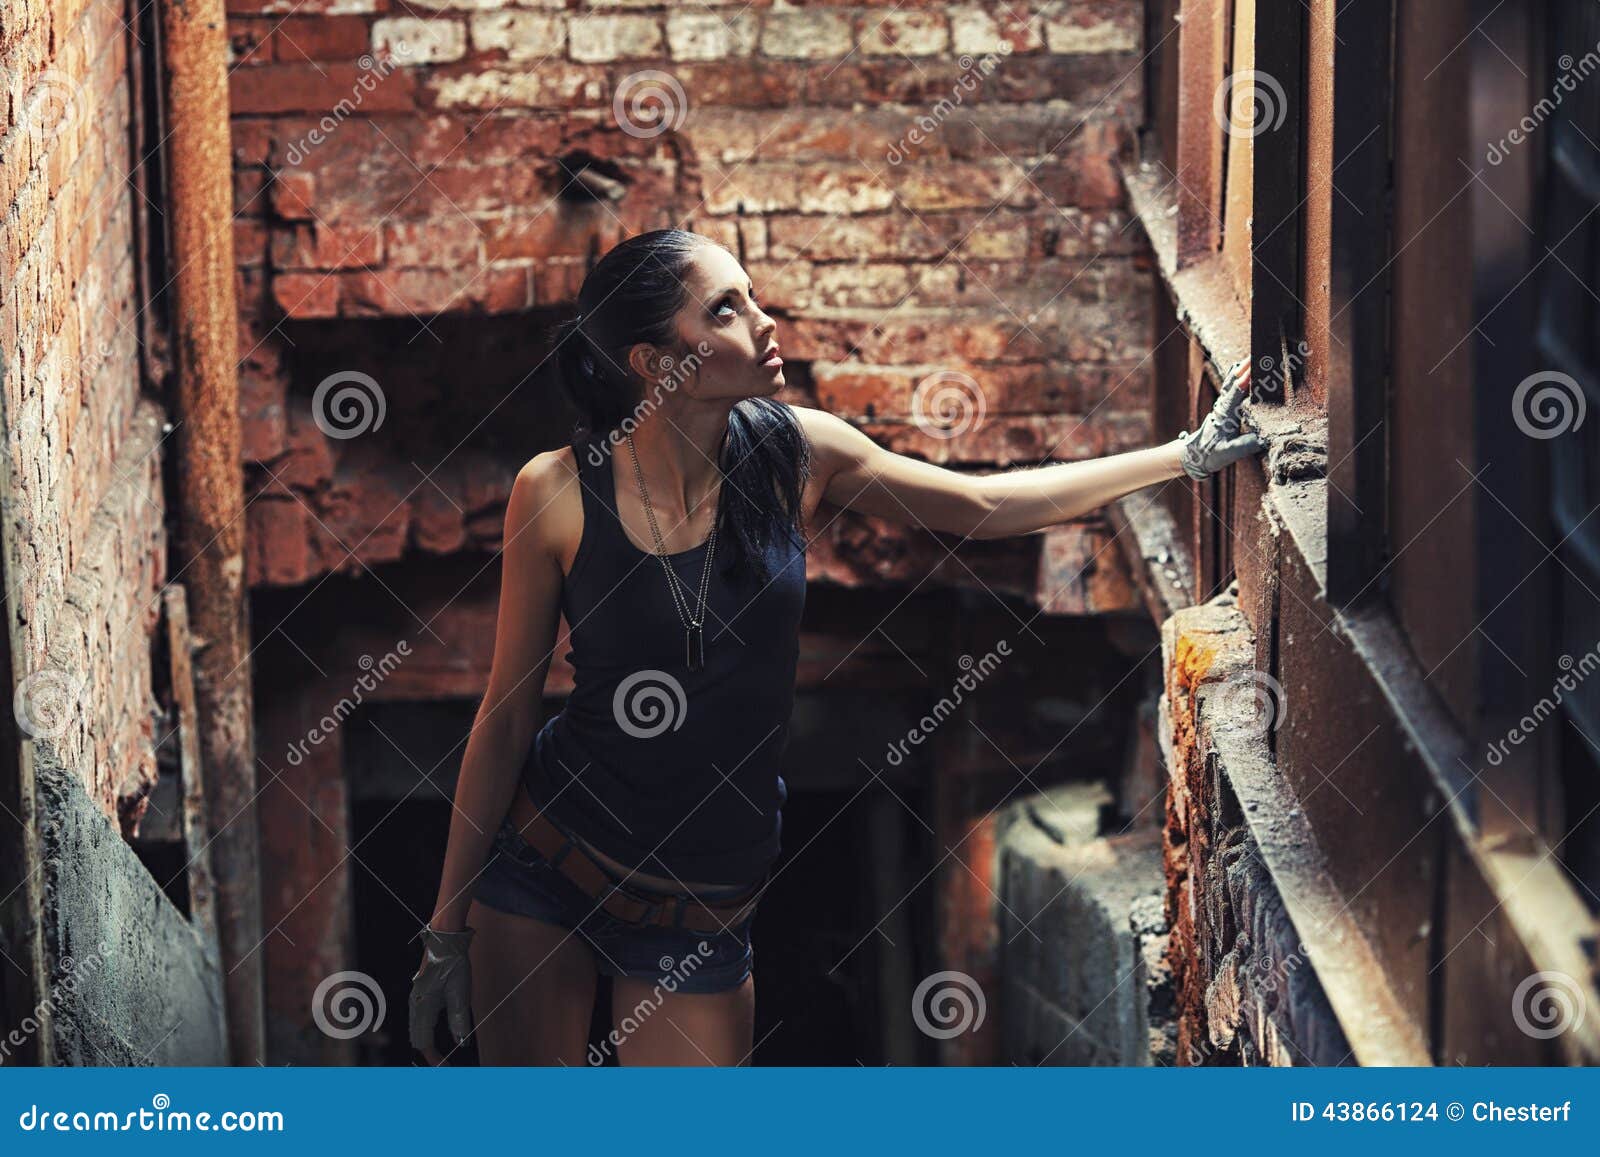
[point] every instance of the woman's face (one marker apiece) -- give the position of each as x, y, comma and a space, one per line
729, 341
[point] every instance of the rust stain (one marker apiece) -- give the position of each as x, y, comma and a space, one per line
1185, 844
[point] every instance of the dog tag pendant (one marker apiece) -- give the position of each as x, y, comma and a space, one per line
694, 638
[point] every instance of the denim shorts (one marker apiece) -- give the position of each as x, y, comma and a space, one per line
520, 880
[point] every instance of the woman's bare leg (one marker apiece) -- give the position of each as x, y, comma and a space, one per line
682, 1028
533, 988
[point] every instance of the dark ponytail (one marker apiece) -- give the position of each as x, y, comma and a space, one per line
633, 295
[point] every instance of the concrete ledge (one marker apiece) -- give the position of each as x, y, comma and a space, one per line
1075, 986
131, 983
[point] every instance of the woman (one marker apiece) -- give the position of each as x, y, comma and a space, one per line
633, 834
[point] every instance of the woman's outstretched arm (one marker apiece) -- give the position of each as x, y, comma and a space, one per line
863, 476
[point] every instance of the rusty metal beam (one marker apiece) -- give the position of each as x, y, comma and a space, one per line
1277, 199
210, 483
191, 773
1202, 53
1358, 338
21, 886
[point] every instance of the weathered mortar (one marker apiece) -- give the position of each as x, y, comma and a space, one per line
913, 192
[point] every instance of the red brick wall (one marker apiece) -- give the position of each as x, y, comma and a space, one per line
85, 550
897, 237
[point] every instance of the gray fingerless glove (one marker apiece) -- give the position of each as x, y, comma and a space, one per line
1218, 441
443, 982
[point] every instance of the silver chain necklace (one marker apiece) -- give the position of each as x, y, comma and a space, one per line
693, 624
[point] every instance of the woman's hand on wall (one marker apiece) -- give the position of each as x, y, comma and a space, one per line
443, 983
1218, 442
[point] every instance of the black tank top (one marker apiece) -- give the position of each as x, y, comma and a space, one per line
671, 772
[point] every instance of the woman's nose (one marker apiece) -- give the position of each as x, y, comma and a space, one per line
768, 325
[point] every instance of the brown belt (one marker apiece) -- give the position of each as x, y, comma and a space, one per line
631, 902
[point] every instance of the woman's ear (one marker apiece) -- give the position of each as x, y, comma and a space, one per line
640, 357
649, 362
658, 367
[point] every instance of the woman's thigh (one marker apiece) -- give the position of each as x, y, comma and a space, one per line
533, 986
682, 1028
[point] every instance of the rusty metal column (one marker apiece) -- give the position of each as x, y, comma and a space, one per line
211, 484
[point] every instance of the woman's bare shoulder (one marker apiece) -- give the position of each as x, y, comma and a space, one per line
836, 444
546, 501
827, 434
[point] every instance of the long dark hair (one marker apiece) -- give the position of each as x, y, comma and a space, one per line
633, 295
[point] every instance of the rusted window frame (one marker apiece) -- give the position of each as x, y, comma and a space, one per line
1277, 203
1567, 483
1358, 354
